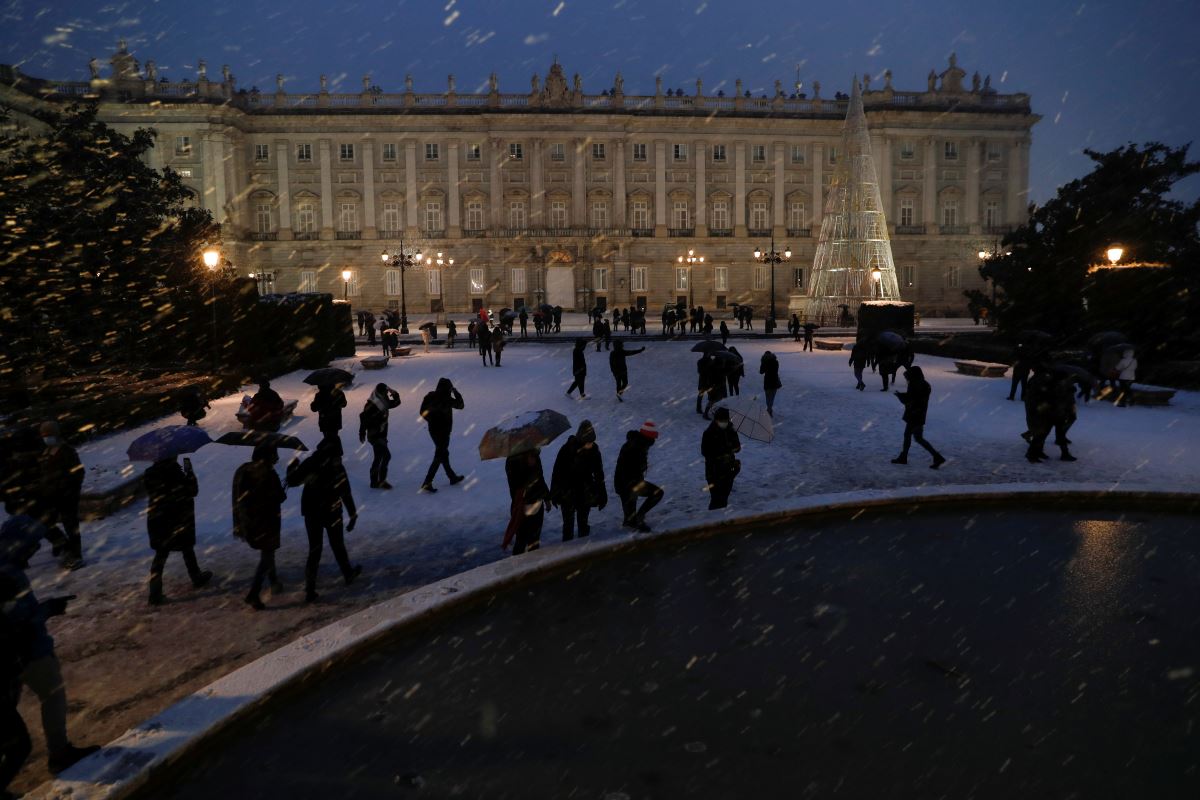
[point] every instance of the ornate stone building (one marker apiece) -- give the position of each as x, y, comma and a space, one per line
556, 195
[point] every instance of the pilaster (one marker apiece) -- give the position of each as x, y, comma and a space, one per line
739, 189
701, 221
370, 229
411, 218
283, 187
453, 190
778, 219
972, 218
818, 186
579, 217
929, 190
326, 189
620, 201
660, 187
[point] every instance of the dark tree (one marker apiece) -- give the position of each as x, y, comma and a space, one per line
1042, 271
99, 253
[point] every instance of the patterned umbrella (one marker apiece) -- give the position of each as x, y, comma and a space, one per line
168, 442
521, 433
749, 417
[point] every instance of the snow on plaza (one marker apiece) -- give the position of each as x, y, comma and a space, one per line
124, 662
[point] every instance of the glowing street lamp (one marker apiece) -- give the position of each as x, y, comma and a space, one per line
346, 276
772, 257
691, 260
405, 261
212, 257
1114, 254
877, 277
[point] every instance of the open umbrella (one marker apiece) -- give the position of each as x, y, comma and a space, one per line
890, 341
1106, 339
255, 438
749, 417
708, 346
167, 442
507, 314
521, 433
428, 325
328, 376
725, 357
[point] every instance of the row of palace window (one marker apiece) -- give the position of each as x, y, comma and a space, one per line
640, 217
518, 284
640, 152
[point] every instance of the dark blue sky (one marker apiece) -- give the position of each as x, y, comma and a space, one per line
1100, 73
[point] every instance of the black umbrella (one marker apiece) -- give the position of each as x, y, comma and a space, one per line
725, 356
328, 376
427, 326
255, 438
890, 341
546, 308
1106, 339
707, 346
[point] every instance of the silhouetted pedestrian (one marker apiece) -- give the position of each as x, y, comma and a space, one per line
579, 368
328, 403
719, 446
530, 495
171, 521
916, 406
809, 328
524, 318
192, 404
498, 343
629, 480
768, 367
724, 332
373, 429
577, 481
620, 370
326, 491
451, 333
485, 343
735, 372
860, 355
257, 495
60, 486
437, 409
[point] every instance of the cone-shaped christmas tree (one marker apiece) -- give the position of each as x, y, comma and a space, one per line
854, 237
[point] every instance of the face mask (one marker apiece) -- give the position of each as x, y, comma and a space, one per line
722, 425
51, 441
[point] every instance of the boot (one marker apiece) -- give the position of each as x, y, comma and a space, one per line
64, 759
201, 579
938, 460
457, 479
900, 459
1066, 455
254, 602
354, 572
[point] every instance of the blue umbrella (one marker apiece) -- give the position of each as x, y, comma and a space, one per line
167, 442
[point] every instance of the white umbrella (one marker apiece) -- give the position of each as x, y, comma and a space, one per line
749, 417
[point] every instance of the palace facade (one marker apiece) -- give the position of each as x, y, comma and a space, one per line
560, 196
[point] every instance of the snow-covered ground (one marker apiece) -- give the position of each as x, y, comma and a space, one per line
124, 662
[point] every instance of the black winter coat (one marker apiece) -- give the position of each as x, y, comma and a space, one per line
579, 361
257, 496
632, 462
328, 406
916, 402
526, 479
373, 421
719, 447
578, 476
769, 369
437, 409
326, 487
171, 517
616, 360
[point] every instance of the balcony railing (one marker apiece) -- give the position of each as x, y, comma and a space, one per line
954, 230
474, 233
681, 231
800, 233
720, 233
998, 230
762, 232
641, 231
433, 234
264, 236
391, 233
910, 230
349, 234
307, 236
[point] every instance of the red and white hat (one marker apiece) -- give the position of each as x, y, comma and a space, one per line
649, 430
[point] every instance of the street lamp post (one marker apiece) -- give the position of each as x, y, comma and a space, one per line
691, 260
772, 257
346, 275
405, 261
212, 258
877, 283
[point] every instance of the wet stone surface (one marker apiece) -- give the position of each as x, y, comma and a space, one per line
1024, 654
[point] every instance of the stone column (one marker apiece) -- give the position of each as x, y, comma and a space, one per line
209, 183
882, 154
739, 189
579, 217
537, 186
701, 221
283, 154
818, 186
412, 219
1022, 153
929, 192
453, 203
619, 199
660, 187
370, 228
972, 217
496, 179
779, 221
326, 190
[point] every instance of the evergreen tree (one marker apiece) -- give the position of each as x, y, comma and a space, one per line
99, 253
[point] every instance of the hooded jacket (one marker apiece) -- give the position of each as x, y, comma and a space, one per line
632, 461
437, 409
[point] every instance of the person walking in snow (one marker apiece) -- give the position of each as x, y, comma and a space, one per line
719, 369
577, 482
59, 488
724, 333
768, 367
326, 493
1038, 397
809, 327
171, 521
328, 403
705, 375
485, 343
719, 446
629, 480
916, 406
1062, 409
1126, 372
735, 372
579, 368
498, 343
437, 409
471, 334
257, 497
451, 333
860, 355
373, 429
598, 333
606, 332
620, 370
523, 317
530, 496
